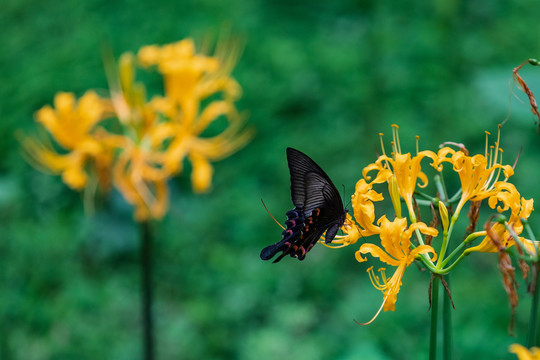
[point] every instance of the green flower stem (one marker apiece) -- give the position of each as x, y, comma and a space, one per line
447, 324
441, 189
434, 313
426, 202
528, 256
532, 332
531, 236
456, 197
444, 245
146, 290
467, 240
430, 199
458, 260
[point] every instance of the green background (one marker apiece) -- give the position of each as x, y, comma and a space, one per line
323, 77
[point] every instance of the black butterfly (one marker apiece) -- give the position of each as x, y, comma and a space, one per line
317, 208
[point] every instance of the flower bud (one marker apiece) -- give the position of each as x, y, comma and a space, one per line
393, 189
443, 211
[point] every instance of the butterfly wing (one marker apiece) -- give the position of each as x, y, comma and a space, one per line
318, 208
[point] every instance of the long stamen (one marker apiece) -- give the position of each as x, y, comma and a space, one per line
377, 314
417, 140
382, 144
495, 154
382, 148
498, 137
375, 280
383, 275
487, 142
395, 129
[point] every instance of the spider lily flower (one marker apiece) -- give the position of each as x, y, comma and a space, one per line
478, 174
152, 138
405, 169
188, 138
519, 207
74, 126
364, 210
523, 353
142, 183
190, 76
396, 251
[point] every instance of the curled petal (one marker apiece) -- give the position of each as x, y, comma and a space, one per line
423, 249
376, 251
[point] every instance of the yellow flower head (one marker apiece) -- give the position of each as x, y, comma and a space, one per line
189, 76
523, 353
477, 174
364, 210
142, 182
71, 121
404, 170
396, 251
73, 124
151, 139
519, 207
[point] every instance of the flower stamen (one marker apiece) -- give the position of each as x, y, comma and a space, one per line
395, 135
375, 280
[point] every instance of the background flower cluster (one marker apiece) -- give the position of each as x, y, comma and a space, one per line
146, 142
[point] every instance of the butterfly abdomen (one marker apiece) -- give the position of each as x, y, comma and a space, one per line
294, 225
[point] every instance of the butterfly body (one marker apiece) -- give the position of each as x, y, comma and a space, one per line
318, 208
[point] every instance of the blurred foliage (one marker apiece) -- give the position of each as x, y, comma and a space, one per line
323, 77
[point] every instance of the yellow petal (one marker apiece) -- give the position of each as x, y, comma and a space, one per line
376, 251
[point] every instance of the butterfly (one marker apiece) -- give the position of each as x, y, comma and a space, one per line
317, 208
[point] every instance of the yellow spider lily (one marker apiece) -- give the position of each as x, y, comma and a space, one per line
396, 251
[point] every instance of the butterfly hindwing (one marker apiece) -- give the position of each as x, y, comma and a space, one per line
318, 208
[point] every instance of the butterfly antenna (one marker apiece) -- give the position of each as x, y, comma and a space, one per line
344, 192
272, 216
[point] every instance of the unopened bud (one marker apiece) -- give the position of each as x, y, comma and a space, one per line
393, 189
443, 211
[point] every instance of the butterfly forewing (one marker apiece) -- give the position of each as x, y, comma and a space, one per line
300, 165
318, 208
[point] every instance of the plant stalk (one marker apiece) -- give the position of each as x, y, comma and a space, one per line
532, 332
434, 313
447, 323
146, 290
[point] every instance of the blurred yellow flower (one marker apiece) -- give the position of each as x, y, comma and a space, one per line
190, 77
523, 353
73, 124
196, 120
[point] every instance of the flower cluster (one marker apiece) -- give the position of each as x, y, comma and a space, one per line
135, 144
403, 238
